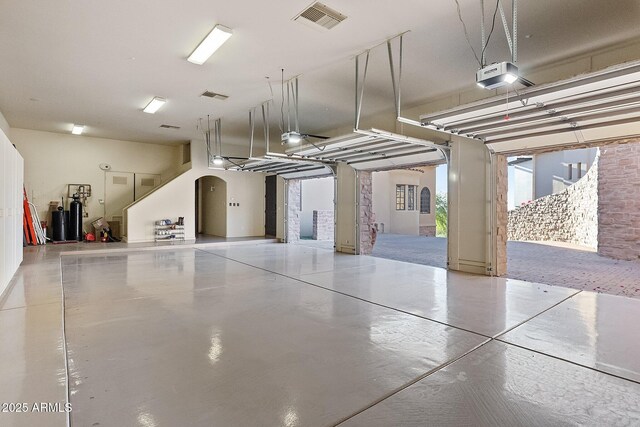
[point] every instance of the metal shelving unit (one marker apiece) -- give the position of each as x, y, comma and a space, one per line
168, 231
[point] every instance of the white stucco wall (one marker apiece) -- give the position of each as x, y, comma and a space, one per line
177, 198
520, 184
428, 179
551, 170
317, 194
384, 202
54, 160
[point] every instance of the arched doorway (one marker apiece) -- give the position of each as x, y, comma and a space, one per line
211, 207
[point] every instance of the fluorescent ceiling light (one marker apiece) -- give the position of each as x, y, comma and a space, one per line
77, 129
218, 161
154, 105
210, 44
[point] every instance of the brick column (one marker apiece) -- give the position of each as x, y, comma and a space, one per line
619, 201
293, 210
366, 213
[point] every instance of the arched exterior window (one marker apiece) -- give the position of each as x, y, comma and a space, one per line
425, 201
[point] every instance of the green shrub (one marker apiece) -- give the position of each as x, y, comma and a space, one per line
441, 215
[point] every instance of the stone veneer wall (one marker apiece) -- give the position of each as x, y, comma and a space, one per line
323, 225
619, 201
427, 230
568, 216
366, 212
293, 210
502, 219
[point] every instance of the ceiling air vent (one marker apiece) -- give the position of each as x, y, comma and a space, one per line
169, 127
209, 94
321, 15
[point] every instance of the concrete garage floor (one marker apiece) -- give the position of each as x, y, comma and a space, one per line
564, 265
290, 335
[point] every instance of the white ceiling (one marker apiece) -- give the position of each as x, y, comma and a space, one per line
98, 63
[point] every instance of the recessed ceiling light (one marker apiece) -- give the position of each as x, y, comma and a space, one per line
210, 44
154, 105
77, 129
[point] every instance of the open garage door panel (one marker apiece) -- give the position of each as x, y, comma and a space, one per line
586, 109
288, 169
373, 149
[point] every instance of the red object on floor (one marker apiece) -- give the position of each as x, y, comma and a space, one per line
28, 222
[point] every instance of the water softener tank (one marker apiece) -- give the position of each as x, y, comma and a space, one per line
75, 219
59, 225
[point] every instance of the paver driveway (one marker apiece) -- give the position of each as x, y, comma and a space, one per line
534, 262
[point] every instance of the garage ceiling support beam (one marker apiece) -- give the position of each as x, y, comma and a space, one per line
360, 87
395, 82
397, 92
513, 43
265, 126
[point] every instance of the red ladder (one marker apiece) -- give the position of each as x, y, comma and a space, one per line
27, 221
